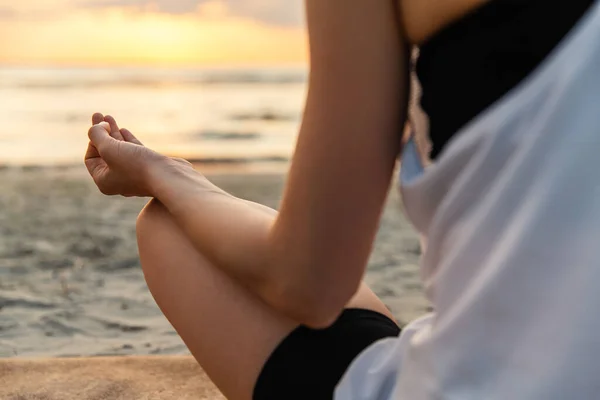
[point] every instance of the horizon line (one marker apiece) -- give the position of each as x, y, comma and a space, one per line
207, 65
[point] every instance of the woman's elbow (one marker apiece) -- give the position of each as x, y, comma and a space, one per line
312, 305
316, 317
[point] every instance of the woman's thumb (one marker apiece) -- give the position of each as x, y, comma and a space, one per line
99, 135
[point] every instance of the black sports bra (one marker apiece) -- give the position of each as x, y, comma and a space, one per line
473, 62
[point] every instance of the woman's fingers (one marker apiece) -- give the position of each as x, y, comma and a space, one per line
114, 128
92, 159
91, 152
129, 137
97, 118
99, 135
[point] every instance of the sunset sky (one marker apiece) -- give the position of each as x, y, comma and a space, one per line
147, 32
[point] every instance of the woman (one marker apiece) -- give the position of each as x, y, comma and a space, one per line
272, 305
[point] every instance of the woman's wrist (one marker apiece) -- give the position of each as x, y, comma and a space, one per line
162, 174
172, 181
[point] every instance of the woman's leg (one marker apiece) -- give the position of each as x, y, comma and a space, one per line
229, 330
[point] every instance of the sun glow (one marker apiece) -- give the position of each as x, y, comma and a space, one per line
120, 36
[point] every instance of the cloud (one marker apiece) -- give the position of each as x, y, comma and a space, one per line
33, 10
278, 12
274, 12
166, 6
7, 13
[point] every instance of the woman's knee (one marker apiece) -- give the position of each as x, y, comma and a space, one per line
152, 228
153, 215
160, 245
366, 299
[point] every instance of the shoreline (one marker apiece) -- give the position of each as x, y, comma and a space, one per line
208, 167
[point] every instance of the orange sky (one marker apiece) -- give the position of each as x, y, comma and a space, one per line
63, 32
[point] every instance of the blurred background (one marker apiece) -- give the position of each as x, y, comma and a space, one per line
210, 80
220, 82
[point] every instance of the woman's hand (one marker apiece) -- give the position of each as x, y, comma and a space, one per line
119, 163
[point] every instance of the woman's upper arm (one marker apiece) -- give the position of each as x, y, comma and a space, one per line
346, 151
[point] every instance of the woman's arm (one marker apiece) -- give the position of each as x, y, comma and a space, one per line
309, 260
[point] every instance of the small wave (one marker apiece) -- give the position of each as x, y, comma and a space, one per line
66, 79
253, 78
170, 350
239, 160
53, 326
264, 116
6, 302
125, 327
18, 167
55, 264
214, 135
118, 325
117, 265
8, 326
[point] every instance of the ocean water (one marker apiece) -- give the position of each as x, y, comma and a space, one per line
227, 116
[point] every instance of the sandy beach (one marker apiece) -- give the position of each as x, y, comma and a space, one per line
70, 280
106, 378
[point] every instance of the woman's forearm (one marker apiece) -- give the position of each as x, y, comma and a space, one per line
238, 236
231, 232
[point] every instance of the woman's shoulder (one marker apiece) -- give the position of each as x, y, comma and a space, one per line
422, 19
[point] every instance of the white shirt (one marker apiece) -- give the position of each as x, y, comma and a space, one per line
511, 212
